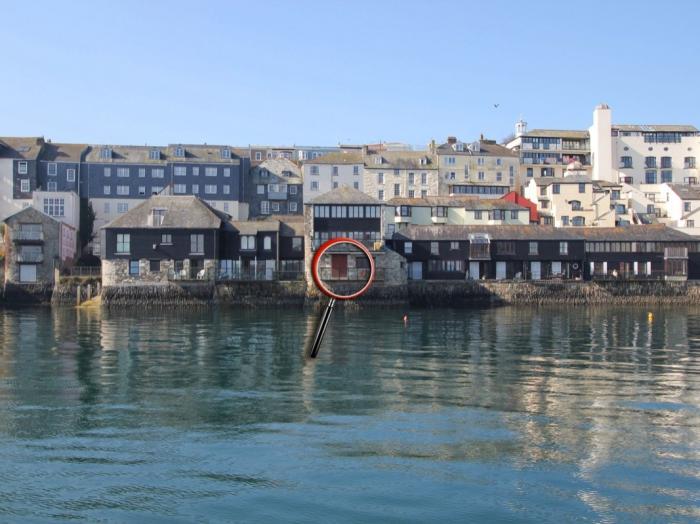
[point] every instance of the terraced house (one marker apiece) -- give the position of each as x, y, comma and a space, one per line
19, 159
331, 171
478, 163
408, 174
275, 187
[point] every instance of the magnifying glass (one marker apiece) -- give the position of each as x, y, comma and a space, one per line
342, 269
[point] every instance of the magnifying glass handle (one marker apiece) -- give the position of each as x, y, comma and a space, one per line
322, 325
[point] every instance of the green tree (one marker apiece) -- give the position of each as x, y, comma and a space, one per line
87, 222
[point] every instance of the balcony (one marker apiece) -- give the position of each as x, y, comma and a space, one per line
277, 195
30, 257
28, 236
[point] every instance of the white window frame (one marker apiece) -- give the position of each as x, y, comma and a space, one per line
52, 169
22, 167
70, 174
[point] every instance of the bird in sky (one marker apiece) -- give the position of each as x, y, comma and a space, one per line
496, 105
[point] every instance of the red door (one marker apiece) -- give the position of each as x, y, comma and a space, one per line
339, 266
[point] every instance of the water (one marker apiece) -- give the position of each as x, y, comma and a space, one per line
501, 415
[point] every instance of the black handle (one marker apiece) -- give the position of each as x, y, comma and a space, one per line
322, 325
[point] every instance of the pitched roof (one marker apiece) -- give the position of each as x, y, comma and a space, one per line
686, 192
468, 202
290, 225
486, 148
401, 160
646, 233
339, 157
253, 227
181, 211
278, 166
25, 148
572, 179
344, 195
55, 152
204, 153
126, 154
656, 128
32, 212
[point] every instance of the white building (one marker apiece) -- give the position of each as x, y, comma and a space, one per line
331, 171
64, 206
682, 205
643, 154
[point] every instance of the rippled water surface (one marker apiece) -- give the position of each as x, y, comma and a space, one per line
500, 415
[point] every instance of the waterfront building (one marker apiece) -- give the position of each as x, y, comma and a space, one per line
18, 172
275, 187
535, 252
681, 206
332, 171
548, 152
643, 153
35, 246
482, 161
59, 167
573, 200
451, 210
390, 174
517, 198
63, 206
350, 213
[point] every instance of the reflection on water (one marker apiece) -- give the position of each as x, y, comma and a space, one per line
491, 415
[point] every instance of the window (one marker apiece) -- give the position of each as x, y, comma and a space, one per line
197, 244
225, 153
210, 171
665, 162
514, 214
690, 223
408, 248
434, 248
380, 195
615, 194
689, 162
22, 168
70, 175
195, 189
158, 172
650, 177
293, 189
123, 172
564, 220
533, 248
227, 172
261, 189
481, 175
650, 162
544, 204
497, 214
480, 161
154, 266
258, 155
686, 206
265, 207
180, 171
625, 162
380, 178
575, 205
275, 207
292, 207
334, 171
499, 176
423, 193
505, 247
397, 189
157, 217
556, 189
195, 171
411, 178
247, 242
123, 243
180, 151
563, 248
314, 185
335, 185
54, 207
52, 169
106, 208
579, 221
134, 268
454, 246
314, 170
180, 189
267, 243
166, 238
478, 215
227, 189
122, 207
403, 211
424, 178
107, 190
142, 172
355, 170
106, 153
529, 172
156, 189
582, 188
107, 172
356, 185
122, 190
52, 186
210, 189
666, 176
154, 154
397, 172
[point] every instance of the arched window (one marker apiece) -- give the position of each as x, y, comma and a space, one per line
578, 221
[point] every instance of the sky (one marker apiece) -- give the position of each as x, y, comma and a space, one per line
328, 72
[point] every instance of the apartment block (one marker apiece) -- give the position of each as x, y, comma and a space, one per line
392, 174
332, 171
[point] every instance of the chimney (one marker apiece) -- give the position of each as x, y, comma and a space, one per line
451, 140
432, 146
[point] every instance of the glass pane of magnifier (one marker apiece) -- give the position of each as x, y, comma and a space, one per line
342, 269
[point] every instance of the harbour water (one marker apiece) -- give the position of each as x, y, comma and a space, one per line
501, 415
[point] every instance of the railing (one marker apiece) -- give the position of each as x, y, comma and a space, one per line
611, 277
211, 274
30, 257
192, 274
367, 243
84, 271
328, 274
28, 235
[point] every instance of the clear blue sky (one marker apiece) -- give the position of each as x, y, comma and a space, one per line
322, 72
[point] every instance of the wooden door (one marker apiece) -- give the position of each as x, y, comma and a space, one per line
339, 266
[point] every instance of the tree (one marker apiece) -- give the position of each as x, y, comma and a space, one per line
87, 222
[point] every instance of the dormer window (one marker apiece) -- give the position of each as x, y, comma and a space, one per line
179, 151
264, 172
459, 146
378, 160
154, 154
106, 153
157, 217
423, 161
287, 173
225, 153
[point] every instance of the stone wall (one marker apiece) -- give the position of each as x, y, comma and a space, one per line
116, 272
159, 296
262, 293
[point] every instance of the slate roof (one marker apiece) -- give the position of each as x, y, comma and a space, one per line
572, 179
182, 212
486, 148
277, 166
402, 160
344, 195
339, 157
24, 148
253, 227
204, 153
656, 128
125, 154
557, 133
469, 202
290, 225
646, 233
686, 192
55, 152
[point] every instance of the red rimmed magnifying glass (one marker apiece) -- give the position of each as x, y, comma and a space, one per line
342, 269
